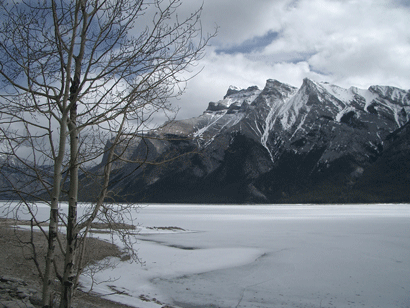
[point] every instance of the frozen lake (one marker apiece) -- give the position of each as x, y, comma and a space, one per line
268, 256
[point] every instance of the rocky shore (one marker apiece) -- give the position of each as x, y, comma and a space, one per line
20, 285
16, 293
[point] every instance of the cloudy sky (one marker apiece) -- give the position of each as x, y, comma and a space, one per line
345, 42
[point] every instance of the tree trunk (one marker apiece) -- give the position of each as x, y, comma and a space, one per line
53, 224
72, 232
69, 277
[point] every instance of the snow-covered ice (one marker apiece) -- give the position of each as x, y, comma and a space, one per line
267, 256
272, 256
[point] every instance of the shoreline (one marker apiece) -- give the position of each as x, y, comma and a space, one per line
17, 265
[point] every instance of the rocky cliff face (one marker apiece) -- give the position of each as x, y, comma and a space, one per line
316, 143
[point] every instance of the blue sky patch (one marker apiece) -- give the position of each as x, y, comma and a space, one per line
254, 44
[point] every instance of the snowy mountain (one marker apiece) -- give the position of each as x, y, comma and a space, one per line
316, 143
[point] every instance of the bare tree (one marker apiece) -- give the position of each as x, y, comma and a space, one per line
73, 75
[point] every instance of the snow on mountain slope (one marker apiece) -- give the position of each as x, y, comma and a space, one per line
285, 118
266, 145
274, 102
319, 113
219, 115
316, 114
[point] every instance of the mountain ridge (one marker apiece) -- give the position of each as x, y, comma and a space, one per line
292, 141
319, 143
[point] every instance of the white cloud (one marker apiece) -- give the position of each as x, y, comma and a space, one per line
349, 43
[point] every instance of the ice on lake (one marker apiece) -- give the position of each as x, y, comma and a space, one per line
267, 256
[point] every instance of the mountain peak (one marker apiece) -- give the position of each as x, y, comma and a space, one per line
275, 83
307, 82
276, 88
235, 88
232, 90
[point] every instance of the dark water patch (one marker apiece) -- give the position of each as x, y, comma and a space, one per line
187, 305
183, 247
168, 245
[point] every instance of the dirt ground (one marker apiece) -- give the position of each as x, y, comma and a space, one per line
16, 261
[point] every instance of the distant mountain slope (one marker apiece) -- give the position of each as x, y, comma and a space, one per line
388, 179
317, 143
